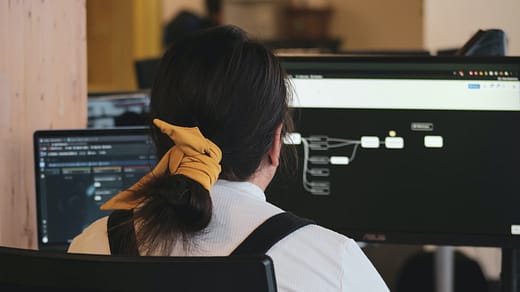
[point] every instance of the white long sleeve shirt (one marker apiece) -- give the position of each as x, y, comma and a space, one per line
310, 259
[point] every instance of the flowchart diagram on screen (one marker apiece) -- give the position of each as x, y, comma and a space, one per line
317, 160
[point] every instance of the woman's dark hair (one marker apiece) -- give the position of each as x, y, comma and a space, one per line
235, 91
183, 23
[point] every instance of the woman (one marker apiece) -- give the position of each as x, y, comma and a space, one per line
223, 99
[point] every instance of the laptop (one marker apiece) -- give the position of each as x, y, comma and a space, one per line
78, 170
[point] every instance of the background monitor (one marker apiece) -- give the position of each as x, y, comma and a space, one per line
78, 170
145, 72
118, 109
406, 150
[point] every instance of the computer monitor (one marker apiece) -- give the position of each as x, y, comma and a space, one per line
406, 150
78, 170
29, 270
118, 109
145, 71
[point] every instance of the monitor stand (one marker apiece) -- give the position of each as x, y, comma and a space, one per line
509, 277
444, 269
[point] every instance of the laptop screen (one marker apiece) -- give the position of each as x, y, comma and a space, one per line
78, 170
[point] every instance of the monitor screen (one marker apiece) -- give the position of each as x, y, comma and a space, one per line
118, 109
78, 170
406, 150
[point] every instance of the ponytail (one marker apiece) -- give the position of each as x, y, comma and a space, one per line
174, 209
171, 203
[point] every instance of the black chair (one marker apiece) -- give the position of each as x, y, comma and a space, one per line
29, 270
491, 42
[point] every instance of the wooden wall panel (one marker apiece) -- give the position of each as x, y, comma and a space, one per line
118, 33
42, 86
148, 29
110, 45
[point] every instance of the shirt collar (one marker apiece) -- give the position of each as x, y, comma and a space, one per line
242, 187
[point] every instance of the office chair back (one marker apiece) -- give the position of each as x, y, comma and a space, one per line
29, 270
491, 42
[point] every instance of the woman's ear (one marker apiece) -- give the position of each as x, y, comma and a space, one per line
274, 152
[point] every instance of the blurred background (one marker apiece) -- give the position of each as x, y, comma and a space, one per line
121, 32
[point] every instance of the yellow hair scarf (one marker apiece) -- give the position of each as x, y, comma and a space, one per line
193, 156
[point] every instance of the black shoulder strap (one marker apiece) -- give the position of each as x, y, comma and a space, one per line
121, 233
269, 233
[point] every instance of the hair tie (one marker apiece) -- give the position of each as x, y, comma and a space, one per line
193, 155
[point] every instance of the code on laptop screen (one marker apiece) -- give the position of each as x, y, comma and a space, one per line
77, 171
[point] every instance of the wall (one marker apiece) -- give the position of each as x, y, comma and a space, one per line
110, 45
262, 17
448, 24
260, 21
368, 24
378, 24
42, 86
405, 24
118, 33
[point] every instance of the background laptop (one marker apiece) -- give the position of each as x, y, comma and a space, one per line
78, 170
